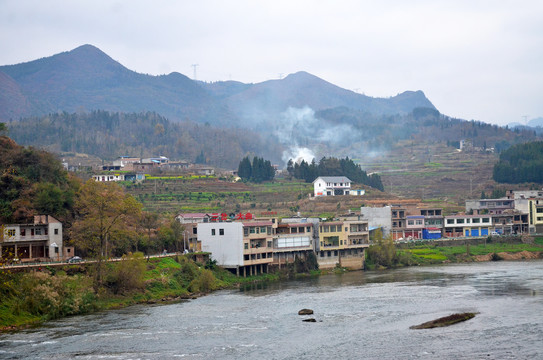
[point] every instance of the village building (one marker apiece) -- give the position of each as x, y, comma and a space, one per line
378, 217
468, 225
331, 186
291, 240
38, 240
245, 248
343, 241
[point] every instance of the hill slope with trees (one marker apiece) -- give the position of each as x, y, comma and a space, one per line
521, 163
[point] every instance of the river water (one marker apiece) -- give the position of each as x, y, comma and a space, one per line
360, 315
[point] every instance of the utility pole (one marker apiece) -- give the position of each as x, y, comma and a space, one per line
194, 66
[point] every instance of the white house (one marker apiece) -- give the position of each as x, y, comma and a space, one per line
331, 186
108, 177
246, 247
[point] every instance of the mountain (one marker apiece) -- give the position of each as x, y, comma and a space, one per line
86, 79
267, 100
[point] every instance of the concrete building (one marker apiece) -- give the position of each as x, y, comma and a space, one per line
291, 240
378, 217
343, 241
468, 225
489, 206
331, 186
245, 248
39, 240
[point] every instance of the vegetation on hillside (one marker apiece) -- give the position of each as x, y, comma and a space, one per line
333, 167
33, 182
521, 163
109, 135
258, 171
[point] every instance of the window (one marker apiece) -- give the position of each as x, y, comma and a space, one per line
293, 230
38, 231
221, 231
476, 220
195, 230
252, 230
450, 221
23, 231
246, 245
459, 221
301, 229
11, 232
269, 244
212, 232
486, 220
419, 222
332, 228
410, 222
245, 232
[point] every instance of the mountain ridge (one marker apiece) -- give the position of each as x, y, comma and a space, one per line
86, 78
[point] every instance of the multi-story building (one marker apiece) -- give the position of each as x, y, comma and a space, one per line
342, 242
331, 185
378, 217
399, 222
291, 240
468, 225
489, 206
511, 222
39, 240
243, 247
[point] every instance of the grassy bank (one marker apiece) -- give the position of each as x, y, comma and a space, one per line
29, 299
384, 254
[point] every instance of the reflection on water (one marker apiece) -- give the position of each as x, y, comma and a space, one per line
359, 315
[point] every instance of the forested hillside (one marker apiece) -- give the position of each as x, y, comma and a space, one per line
33, 182
333, 167
520, 164
109, 135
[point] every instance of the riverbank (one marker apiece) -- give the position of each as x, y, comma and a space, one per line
29, 299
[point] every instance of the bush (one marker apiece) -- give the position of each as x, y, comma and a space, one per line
205, 282
127, 274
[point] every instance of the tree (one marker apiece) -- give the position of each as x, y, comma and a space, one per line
245, 169
104, 217
3, 128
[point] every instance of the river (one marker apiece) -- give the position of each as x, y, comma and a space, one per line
360, 315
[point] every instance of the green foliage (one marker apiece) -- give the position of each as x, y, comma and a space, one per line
33, 182
258, 171
127, 275
336, 167
520, 163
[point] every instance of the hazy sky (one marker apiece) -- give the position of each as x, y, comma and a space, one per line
479, 60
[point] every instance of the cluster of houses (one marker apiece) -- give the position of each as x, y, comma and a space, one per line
520, 212
127, 168
250, 245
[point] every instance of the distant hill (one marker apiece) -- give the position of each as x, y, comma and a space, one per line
267, 100
86, 79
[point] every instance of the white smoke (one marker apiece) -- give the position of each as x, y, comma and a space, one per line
299, 130
297, 154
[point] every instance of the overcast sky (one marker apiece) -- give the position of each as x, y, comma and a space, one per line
480, 60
